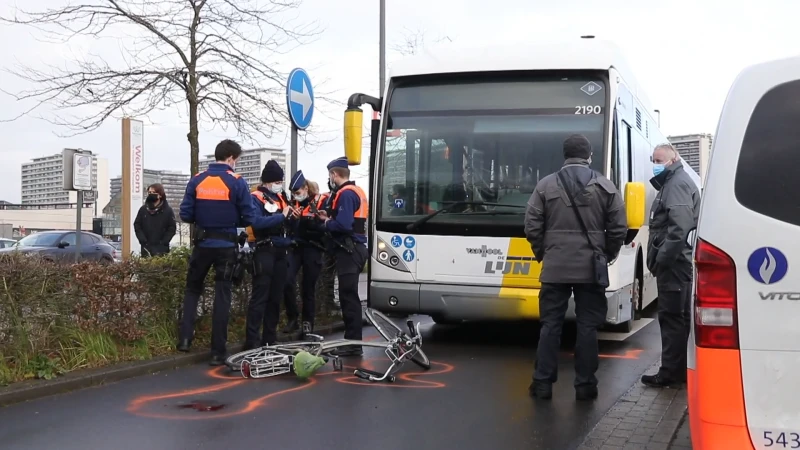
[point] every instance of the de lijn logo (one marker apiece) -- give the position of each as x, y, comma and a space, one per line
767, 265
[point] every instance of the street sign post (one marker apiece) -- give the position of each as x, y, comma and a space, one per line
77, 167
300, 101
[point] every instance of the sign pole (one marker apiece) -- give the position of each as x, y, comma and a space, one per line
293, 156
78, 227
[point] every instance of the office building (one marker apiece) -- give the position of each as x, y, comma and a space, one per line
252, 162
43, 181
695, 149
174, 183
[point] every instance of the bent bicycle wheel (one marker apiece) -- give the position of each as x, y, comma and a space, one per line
234, 362
390, 330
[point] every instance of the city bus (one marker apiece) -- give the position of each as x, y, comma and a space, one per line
460, 141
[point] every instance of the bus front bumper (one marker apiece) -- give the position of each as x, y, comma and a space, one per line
458, 302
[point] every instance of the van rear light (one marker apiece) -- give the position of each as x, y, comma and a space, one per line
715, 298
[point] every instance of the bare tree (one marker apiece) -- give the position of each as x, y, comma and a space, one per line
414, 41
213, 59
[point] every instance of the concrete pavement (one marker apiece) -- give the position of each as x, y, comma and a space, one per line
474, 397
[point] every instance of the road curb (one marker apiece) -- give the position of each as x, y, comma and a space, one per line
643, 418
81, 379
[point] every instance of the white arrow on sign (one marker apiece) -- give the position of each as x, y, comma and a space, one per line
302, 98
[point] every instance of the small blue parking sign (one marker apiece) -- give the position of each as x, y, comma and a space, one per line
397, 241
408, 255
300, 98
410, 242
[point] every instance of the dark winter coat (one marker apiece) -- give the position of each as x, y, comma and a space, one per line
155, 228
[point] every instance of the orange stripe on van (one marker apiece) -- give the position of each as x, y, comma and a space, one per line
716, 401
212, 188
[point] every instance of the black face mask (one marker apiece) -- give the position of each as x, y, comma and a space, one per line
331, 186
152, 198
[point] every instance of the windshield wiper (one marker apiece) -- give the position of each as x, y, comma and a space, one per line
413, 226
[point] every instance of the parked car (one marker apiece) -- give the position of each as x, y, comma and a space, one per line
117, 250
61, 246
5, 243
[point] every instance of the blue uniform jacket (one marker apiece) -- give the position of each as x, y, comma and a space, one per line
342, 225
218, 201
276, 219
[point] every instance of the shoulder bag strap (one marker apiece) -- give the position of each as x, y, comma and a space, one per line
575, 208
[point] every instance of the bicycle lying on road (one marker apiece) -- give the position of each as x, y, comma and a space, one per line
272, 360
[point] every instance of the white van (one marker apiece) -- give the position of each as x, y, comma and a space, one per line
744, 348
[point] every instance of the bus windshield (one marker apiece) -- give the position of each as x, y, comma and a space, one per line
478, 147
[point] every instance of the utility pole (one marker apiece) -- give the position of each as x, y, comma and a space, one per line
382, 44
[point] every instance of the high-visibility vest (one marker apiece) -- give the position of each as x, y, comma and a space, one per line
320, 202
360, 215
263, 198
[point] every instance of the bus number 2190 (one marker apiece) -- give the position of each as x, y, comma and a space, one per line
588, 109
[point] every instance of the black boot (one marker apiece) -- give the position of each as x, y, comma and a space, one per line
583, 393
217, 360
291, 327
659, 380
541, 390
184, 345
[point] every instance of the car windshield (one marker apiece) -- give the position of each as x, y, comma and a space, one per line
481, 145
39, 240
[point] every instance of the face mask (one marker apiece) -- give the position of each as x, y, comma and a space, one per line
276, 188
657, 169
152, 198
331, 184
300, 197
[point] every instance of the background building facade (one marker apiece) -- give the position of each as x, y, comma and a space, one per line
174, 184
252, 162
43, 181
695, 149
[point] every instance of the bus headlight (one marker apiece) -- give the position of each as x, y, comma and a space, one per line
383, 256
394, 260
381, 245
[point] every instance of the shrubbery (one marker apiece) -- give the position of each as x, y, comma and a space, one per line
55, 318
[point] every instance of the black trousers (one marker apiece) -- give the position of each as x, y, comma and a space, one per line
348, 271
200, 262
309, 258
590, 311
270, 267
674, 294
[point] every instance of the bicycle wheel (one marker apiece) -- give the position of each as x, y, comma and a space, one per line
234, 362
390, 330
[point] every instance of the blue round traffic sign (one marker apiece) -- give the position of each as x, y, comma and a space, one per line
410, 242
408, 255
767, 265
300, 98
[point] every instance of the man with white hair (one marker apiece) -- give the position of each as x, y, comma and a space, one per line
673, 215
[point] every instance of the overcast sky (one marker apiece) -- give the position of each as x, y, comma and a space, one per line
685, 54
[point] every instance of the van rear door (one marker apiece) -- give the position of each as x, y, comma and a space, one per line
751, 211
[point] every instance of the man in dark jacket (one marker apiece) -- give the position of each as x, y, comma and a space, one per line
155, 224
673, 214
558, 242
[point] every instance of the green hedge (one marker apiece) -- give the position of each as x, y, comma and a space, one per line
55, 318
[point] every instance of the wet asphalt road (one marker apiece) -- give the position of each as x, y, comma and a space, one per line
474, 397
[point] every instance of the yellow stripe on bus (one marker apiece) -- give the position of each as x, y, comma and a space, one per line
520, 285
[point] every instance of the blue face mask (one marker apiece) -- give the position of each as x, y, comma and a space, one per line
657, 169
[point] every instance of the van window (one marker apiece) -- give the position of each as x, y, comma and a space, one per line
769, 163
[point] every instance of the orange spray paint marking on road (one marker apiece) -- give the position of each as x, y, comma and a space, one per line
137, 406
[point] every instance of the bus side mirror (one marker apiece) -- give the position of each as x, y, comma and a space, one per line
634, 209
353, 123
635, 204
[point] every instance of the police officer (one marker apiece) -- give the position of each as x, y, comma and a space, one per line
306, 253
270, 263
346, 221
574, 241
217, 202
674, 213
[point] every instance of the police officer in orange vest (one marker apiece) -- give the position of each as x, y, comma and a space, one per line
270, 262
306, 254
346, 221
217, 202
